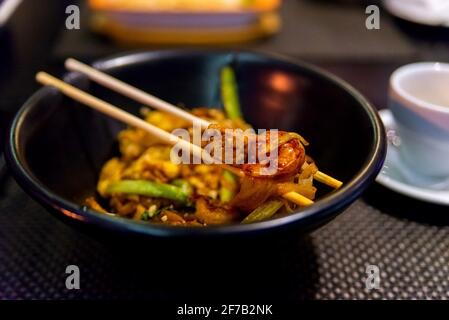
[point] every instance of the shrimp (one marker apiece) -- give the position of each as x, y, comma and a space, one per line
291, 157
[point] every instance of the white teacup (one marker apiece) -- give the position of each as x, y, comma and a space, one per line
419, 100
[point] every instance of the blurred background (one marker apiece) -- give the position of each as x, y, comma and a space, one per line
321, 31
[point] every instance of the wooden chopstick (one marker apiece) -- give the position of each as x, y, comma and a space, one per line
132, 92
152, 101
118, 114
327, 180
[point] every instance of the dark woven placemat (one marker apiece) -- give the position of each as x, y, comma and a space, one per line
412, 256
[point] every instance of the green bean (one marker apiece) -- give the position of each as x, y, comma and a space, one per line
264, 212
149, 189
184, 185
227, 190
229, 94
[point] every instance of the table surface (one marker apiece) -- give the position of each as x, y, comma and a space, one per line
408, 240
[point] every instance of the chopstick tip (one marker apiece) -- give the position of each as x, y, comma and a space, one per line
72, 64
41, 76
68, 62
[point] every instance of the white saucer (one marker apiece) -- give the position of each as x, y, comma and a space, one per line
426, 12
396, 176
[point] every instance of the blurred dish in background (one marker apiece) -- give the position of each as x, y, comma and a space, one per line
185, 5
427, 12
185, 21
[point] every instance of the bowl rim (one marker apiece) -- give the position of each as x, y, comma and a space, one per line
322, 210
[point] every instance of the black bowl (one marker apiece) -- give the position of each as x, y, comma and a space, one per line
56, 147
